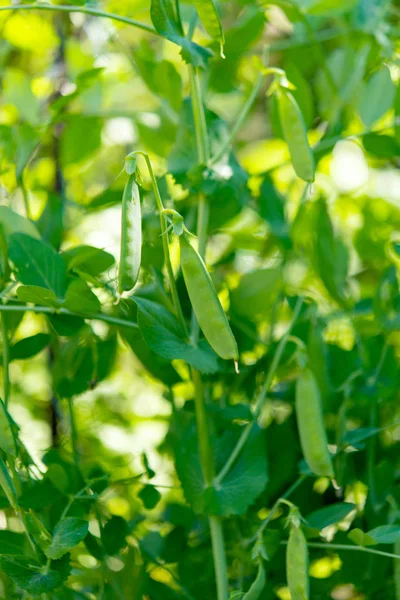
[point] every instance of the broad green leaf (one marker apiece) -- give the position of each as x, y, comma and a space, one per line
325, 7
162, 333
256, 293
8, 441
329, 515
11, 542
241, 486
272, 210
30, 575
356, 436
209, 17
385, 534
26, 139
150, 496
66, 325
164, 21
38, 295
113, 535
360, 538
370, 14
377, 96
37, 263
80, 299
257, 587
11, 222
88, 259
29, 346
50, 222
381, 146
81, 138
67, 534
18, 91
38, 531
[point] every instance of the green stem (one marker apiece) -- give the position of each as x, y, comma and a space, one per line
261, 397
165, 241
207, 462
74, 433
25, 196
6, 361
83, 9
351, 548
49, 310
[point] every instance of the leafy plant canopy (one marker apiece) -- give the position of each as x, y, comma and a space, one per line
199, 300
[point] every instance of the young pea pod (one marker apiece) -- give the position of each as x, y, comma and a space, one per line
257, 586
311, 425
131, 237
297, 565
295, 135
205, 302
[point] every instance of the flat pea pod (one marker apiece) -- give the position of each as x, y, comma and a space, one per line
295, 135
131, 237
297, 565
206, 305
209, 17
7, 438
310, 423
258, 585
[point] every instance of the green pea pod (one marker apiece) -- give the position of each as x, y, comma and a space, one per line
205, 302
7, 438
257, 586
208, 14
131, 237
295, 135
311, 425
297, 565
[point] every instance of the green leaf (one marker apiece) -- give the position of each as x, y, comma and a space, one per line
329, 515
11, 222
17, 91
381, 146
26, 139
11, 542
7, 485
241, 486
377, 96
66, 325
29, 346
38, 295
162, 332
80, 299
326, 7
30, 575
257, 587
370, 14
88, 259
209, 17
50, 222
385, 534
80, 139
150, 496
360, 538
164, 21
113, 535
37, 263
67, 534
249, 299
354, 437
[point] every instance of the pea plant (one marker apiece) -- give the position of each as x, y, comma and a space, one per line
199, 300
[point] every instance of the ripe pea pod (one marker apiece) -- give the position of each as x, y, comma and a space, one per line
297, 565
311, 426
131, 237
205, 302
295, 135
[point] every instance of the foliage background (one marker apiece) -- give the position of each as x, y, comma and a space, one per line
77, 94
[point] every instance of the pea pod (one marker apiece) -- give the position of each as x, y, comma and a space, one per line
7, 438
295, 135
311, 426
297, 565
205, 302
208, 14
258, 585
7, 485
131, 237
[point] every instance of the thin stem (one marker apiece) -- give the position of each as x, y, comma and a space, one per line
351, 548
74, 433
25, 196
221, 568
6, 361
49, 310
240, 119
83, 9
178, 16
261, 397
165, 241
